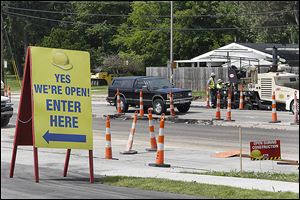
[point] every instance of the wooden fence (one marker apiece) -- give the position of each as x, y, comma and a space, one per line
195, 78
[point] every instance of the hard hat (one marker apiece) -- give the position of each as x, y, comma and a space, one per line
212, 74
220, 81
61, 60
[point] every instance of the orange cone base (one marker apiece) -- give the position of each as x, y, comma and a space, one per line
151, 149
111, 158
231, 120
274, 121
217, 119
130, 152
159, 165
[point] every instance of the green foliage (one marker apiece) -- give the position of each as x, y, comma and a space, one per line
124, 64
65, 39
292, 177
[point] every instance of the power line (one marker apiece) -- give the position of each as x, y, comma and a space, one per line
154, 28
240, 14
54, 20
158, 16
70, 22
102, 2
88, 14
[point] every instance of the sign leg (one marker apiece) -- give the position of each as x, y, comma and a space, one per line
36, 164
91, 166
67, 162
13, 161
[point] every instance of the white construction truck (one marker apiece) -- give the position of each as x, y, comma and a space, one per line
284, 85
259, 87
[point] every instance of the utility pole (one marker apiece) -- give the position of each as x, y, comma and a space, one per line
2, 51
171, 46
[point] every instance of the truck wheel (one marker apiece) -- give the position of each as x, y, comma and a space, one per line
4, 122
293, 108
124, 106
184, 108
159, 107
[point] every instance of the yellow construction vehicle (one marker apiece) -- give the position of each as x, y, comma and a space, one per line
101, 78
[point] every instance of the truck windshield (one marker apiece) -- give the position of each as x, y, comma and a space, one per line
290, 82
156, 84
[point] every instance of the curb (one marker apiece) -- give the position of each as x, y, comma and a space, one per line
200, 122
170, 119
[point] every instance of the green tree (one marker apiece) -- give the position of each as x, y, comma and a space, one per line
149, 37
270, 13
140, 36
23, 30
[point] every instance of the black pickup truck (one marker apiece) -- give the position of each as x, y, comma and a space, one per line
155, 94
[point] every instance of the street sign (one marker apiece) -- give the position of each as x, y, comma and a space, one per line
61, 97
265, 150
55, 106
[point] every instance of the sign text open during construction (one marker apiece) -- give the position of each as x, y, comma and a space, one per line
265, 150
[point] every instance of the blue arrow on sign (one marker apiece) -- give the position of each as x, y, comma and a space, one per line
55, 137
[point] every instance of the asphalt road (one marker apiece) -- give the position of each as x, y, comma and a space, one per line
50, 187
195, 136
203, 136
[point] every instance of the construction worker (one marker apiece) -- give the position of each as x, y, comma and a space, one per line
219, 85
212, 88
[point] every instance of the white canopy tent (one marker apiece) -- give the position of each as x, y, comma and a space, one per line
231, 54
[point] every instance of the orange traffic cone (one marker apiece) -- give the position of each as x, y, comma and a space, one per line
141, 104
296, 108
108, 149
153, 143
172, 110
119, 102
160, 150
218, 107
207, 98
241, 105
274, 113
228, 114
131, 136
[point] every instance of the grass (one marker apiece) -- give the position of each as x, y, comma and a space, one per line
13, 83
200, 94
195, 189
292, 177
99, 89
